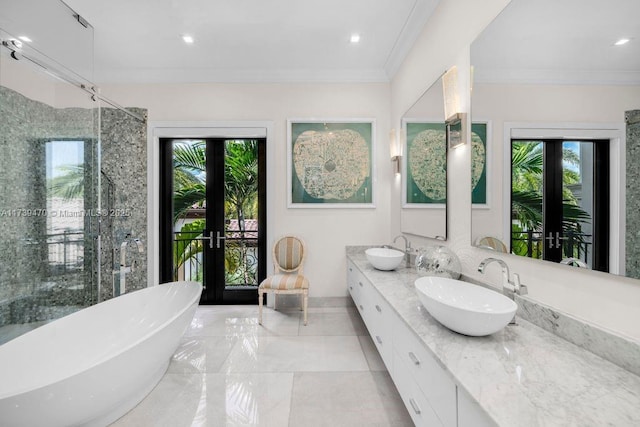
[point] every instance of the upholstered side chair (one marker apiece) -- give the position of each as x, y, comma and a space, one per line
492, 243
288, 255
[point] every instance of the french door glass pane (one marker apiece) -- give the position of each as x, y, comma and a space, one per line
578, 203
241, 214
189, 208
527, 172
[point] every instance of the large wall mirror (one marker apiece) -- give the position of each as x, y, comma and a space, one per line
424, 171
556, 91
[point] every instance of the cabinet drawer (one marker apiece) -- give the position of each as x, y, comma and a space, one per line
382, 319
354, 283
430, 377
414, 399
375, 312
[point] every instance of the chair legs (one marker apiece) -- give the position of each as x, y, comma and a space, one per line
304, 303
260, 298
305, 299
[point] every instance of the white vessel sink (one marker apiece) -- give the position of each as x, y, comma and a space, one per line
463, 307
384, 258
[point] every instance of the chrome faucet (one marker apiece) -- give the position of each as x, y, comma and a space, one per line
123, 251
407, 249
123, 263
509, 287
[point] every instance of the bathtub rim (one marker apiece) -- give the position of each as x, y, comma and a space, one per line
16, 391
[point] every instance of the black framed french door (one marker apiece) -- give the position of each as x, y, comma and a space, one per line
213, 216
560, 200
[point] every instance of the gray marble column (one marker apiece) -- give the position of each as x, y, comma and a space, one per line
632, 240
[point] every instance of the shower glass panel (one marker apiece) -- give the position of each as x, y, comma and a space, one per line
49, 194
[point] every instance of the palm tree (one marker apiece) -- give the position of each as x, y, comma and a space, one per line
241, 177
526, 194
69, 184
189, 177
241, 190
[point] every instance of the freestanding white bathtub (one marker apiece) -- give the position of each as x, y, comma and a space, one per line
93, 366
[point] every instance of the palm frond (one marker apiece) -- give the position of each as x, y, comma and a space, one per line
70, 184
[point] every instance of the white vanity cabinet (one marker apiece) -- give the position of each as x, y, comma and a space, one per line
470, 414
374, 310
427, 391
430, 382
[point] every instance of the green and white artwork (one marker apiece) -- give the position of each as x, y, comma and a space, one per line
426, 151
330, 163
479, 163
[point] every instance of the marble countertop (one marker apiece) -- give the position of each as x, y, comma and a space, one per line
522, 375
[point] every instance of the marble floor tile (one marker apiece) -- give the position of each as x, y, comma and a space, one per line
296, 354
343, 323
370, 350
243, 322
201, 354
215, 400
230, 371
346, 399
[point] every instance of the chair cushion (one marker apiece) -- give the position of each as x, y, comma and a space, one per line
289, 253
285, 282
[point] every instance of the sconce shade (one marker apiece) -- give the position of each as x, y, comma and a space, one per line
450, 93
395, 147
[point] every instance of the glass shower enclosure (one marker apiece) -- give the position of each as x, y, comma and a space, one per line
50, 180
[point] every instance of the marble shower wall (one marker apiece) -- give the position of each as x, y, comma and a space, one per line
632, 242
31, 286
124, 196
40, 271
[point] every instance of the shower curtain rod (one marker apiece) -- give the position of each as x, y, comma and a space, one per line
79, 82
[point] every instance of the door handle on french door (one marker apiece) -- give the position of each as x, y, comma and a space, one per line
205, 237
218, 239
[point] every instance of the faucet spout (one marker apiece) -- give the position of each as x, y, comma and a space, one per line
407, 249
501, 263
123, 263
509, 287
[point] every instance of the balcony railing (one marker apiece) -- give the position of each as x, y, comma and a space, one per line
240, 257
575, 245
65, 252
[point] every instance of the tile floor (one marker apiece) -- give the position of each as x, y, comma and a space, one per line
230, 371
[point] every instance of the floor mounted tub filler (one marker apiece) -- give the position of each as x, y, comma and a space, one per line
93, 366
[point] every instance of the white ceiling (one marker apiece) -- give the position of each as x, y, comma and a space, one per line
251, 40
567, 41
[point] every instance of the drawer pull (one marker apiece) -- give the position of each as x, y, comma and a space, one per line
350, 269
360, 283
415, 406
413, 358
378, 339
361, 307
350, 287
378, 308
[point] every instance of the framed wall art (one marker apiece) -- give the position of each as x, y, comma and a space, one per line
480, 134
330, 163
425, 164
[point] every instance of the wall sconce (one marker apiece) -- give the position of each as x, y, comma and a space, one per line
450, 92
396, 142
454, 119
455, 130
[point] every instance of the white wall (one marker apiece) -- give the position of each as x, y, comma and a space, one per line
609, 301
326, 231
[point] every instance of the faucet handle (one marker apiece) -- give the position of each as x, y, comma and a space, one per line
520, 289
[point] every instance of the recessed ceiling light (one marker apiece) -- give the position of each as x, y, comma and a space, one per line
355, 38
188, 39
621, 42
25, 39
